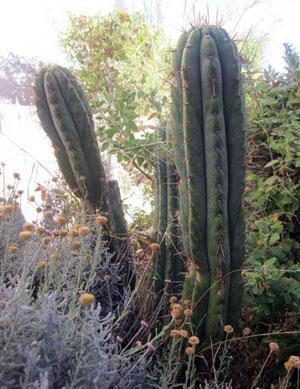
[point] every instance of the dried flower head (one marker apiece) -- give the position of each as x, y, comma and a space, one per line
76, 245
8, 208
81, 178
188, 312
25, 235
175, 334
106, 277
87, 299
88, 257
60, 220
31, 198
40, 230
247, 331
13, 249
190, 351
17, 176
41, 264
74, 233
46, 241
173, 299
28, 226
155, 247
183, 333
63, 233
273, 346
48, 214
193, 340
292, 362
100, 219
275, 217
84, 231
228, 329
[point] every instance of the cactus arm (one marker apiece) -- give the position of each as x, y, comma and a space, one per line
78, 108
198, 268
217, 185
160, 270
174, 262
49, 127
236, 143
177, 135
66, 129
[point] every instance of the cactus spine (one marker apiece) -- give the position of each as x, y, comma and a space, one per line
208, 136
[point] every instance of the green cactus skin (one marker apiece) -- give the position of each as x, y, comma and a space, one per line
65, 116
64, 113
162, 218
209, 137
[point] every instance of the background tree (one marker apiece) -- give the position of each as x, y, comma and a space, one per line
16, 79
122, 64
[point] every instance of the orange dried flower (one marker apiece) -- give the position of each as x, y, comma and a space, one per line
48, 214
28, 226
275, 217
8, 208
46, 241
44, 195
155, 247
63, 233
173, 299
74, 233
76, 245
228, 329
40, 230
188, 312
193, 340
273, 346
292, 362
100, 219
175, 334
13, 249
25, 235
60, 220
41, 264
84, 231
190, 350
183, 333
87, 299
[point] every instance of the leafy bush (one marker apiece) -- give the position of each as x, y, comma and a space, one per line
273, 192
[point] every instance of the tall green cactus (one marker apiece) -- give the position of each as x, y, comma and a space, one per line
65, 116
208, 137
168, 265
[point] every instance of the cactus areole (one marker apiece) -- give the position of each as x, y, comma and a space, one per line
209, 138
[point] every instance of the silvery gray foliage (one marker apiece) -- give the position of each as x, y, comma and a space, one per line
44, 344
47, 339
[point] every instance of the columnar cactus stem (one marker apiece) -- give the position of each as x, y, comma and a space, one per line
208, 136
66, 118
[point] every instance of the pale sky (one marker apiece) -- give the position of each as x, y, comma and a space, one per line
31, 27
